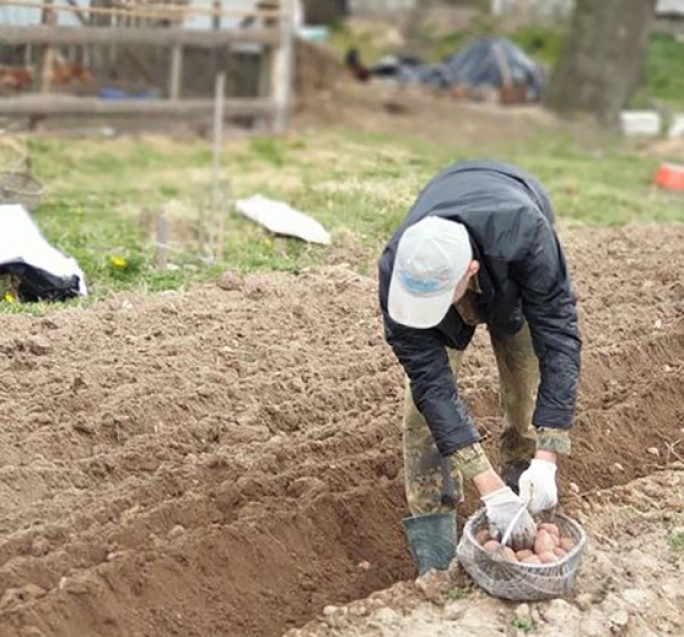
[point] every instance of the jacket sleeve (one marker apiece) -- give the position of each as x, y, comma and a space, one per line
549, 305
425, 361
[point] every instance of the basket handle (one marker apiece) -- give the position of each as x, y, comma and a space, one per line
509, 530
514, 521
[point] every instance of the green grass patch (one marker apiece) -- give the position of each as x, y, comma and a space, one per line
525, 624
677, 540
664, 79
357, 185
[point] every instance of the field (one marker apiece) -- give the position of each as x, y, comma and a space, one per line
187, 458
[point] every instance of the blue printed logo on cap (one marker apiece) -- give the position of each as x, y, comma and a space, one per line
423, 286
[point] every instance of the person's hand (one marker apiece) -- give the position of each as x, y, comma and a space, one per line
538, 486
502, 506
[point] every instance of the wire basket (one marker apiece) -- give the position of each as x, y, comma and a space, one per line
516, 581
20, 187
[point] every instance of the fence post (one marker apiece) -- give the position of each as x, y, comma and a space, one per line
282, 72
216, 208
49, 17
176, 71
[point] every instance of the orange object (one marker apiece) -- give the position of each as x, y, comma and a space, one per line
670, 176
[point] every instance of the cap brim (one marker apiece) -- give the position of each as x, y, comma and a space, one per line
422, 312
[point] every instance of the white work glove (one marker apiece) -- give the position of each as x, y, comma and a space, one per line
538, 486
501, 507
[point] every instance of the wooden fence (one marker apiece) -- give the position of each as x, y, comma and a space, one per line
275, 39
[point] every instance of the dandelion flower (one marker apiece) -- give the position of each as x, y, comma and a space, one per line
118, 261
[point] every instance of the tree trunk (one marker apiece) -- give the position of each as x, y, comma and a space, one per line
603, 57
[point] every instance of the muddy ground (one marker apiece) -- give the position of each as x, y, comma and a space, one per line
227, 461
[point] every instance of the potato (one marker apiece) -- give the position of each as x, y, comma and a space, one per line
559, 552
521, 555
482, 536
566, 543
509, 554
491, 545
548, 556
543, 543
532, 559
551, 528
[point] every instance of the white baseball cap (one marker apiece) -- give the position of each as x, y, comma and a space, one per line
432, 257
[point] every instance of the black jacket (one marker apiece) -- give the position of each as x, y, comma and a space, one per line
522, 275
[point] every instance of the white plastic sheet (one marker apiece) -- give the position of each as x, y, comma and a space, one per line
281, 218
22, 242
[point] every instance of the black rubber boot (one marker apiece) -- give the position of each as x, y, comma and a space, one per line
432, 539
511, 472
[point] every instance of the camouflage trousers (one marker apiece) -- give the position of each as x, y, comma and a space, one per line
434, 484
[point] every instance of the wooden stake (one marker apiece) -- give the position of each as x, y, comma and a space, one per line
49, 17
160, 258
216, 166
176, 71
224, 208
203, 234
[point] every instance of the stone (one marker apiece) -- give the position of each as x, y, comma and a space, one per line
32, 591
583, 601
620, 618
40, 546
592, 627
176, 531
559, 612
254, 290
522, 610
84, 427
385, 617
454, 610
359, 609
432, 584
637, 596
653, 451
671, 590
39, 346
229, 280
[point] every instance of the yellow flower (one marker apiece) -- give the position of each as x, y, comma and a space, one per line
118, 261
9, 297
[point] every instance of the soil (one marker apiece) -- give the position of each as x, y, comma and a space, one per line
226, 460
429, 114
629, 585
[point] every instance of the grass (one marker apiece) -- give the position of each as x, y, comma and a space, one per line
607, 586
525, 624
664, 81
458, 592
677, 540
103, 196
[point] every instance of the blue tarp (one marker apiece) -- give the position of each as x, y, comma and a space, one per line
481, 64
